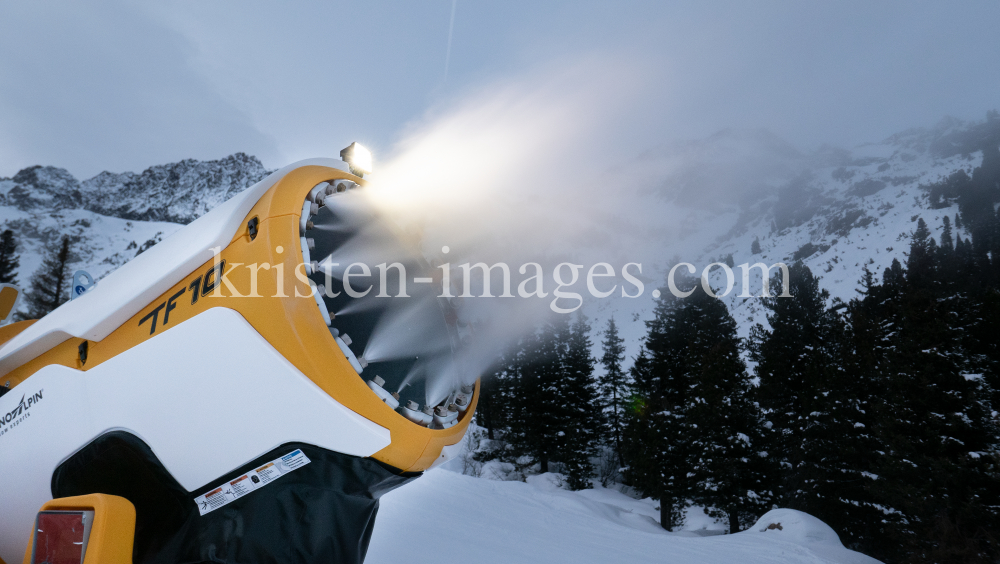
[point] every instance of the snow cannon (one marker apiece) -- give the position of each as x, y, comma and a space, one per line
242, 392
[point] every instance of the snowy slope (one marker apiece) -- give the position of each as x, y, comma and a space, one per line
836, 210
445, 514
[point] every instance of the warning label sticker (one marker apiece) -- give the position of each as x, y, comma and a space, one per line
256, 478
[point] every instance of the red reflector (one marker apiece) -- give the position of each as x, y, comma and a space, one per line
61, 537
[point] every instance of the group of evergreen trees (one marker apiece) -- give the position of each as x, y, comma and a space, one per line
694, 433
49, 285
545, 399
878, 415
899, 387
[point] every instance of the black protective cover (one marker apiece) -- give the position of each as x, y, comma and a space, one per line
321, 512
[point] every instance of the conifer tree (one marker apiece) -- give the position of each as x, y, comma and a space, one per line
614, 385
946, 240
940, 471
49, 285
493, 406
508, 403
540, 405
976, 203
580, 413
641, 445
860, 397
729, 457
9, 259
755, 246
660, 444
810, 399
657, 456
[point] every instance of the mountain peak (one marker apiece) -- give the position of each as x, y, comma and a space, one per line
177, 192
47, 178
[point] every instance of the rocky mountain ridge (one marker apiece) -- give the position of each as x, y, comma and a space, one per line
176, 192
112, 217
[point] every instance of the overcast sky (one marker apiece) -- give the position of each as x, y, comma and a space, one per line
118, 86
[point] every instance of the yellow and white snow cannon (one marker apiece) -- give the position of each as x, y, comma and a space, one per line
217, 387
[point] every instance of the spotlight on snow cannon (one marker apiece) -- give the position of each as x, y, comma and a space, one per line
358, 157
220, 371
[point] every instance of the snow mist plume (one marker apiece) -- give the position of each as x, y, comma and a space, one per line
514, 173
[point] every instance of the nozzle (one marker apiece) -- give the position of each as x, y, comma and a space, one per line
377, 385
318, 193
412, 412
445, 417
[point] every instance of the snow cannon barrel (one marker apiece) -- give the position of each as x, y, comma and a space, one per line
251, 384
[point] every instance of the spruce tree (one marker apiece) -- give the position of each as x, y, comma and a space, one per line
727, 433
541, 405
861, 400
50, 284
509, 404
657, 459
614, 385
581, 413
660, 446
976, 203
946, 240
9, 259
814, 404
493, 407
755, 246
641, 445
792, 363
940, 472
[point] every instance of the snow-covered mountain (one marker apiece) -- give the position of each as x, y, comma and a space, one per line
110, 218
854, 210
178, 192
836, 210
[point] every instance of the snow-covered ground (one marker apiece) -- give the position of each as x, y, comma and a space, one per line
446, 515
